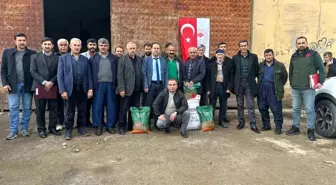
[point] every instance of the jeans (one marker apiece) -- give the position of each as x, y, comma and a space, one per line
307, 96
105, 94
266, 100
14, 108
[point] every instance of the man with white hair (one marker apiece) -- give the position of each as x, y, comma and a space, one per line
75, 86
63, 47
104, 78
194, 70
130, 85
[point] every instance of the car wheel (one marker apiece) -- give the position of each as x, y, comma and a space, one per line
325, 124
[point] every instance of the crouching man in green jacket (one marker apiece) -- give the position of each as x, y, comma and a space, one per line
272, 78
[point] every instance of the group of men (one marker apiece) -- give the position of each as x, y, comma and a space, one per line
98, 79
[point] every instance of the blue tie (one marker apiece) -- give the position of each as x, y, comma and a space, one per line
157, 70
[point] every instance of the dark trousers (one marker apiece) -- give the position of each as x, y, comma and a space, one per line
125, 104
220, 92
245, 90
60, 111
205, 99
105, 94
118, 98
143, 99
153, 91
267, 99
88, 111
41, 105
78, 99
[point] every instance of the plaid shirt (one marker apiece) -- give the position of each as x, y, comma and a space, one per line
244, 64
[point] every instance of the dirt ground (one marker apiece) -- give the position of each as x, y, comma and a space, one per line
224, 156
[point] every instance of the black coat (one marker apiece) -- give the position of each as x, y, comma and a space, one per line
212, 75
94, 64
161, 101
8, 69
332, 69
253, 72
41, 71
197, 72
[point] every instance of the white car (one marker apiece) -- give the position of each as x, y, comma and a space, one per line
325, 108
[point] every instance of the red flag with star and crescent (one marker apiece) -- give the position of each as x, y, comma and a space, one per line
188, 35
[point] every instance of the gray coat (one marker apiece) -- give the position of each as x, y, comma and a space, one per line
127, 73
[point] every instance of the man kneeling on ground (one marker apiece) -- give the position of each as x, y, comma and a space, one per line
170, 107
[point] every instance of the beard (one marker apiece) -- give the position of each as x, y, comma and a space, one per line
148, 53
92, 50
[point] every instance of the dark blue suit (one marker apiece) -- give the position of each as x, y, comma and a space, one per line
154, 87
104, 92
77, 93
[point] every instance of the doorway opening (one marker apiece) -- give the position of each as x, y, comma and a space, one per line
81, 19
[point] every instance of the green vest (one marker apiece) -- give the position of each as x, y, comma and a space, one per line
303, 66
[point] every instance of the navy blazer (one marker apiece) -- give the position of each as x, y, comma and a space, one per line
94, 64
65, 76
147, 69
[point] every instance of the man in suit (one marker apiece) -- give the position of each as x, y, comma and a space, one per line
155, 74
43, 69
75, 86
63, 47
246, 70
130, 78
118, 51
194, 70
17, 83
92, 47
148, 53
206, 60
104, 79
220, 83
170, 107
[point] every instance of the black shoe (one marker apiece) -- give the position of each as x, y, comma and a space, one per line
311, 135
82, 131
55, 132
265, 128
226, 120
223, 124
158, 129
277, 131
122, 132
68, 134
240, 126
293, 131
184, 134
167, 130
255, 129
99, 131
42, 134
110, 130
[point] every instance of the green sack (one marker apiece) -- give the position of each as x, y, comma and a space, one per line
188, 92
140, 117
207, 117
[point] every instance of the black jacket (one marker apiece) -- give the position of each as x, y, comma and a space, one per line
8, 70
127, 74
212, 75
252, 74
41, 71
94, 64
161, 101
197, 72
332, 69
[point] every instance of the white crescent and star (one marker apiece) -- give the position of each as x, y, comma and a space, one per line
188, 26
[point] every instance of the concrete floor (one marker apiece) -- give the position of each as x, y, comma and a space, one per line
224, 156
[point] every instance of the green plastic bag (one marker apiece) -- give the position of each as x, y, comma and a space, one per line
140, 118
207, 117
188, 92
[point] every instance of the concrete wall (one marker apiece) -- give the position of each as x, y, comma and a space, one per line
277, 23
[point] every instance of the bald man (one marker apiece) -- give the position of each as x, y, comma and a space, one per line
130, 78
193, 70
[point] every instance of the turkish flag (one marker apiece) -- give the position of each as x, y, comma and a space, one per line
188, 35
